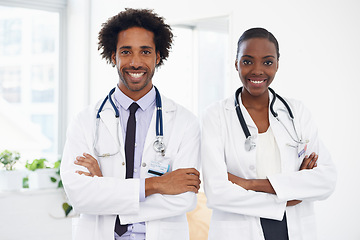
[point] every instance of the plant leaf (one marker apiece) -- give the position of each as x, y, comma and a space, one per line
25, 182
67, 208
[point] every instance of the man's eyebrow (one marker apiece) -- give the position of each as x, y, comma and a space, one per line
146, 47
247, 56
142, 47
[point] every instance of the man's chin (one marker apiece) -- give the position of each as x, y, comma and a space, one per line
136, 87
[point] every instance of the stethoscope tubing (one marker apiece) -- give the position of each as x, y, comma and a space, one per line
275, 114
159, 119
159, 146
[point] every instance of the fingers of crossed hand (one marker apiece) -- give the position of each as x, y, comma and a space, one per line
90, 163
309, 162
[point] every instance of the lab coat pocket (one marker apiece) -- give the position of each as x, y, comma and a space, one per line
229, 229
174, 230
308, 224
83, 228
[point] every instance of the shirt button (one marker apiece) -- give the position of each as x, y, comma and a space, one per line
143, 164
135, 145
123, 163
252, 167
135, 170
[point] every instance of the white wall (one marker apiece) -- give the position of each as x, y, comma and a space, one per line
319, 47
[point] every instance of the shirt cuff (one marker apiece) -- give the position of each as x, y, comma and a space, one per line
142, 189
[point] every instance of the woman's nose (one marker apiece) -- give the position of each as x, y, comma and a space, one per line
257, 69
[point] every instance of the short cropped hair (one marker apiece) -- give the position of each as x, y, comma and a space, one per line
143, 18
258, 33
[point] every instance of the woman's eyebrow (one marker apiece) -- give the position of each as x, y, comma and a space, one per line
271, 56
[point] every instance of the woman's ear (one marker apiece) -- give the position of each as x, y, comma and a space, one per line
236, 65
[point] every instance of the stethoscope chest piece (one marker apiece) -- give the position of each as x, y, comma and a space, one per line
249, 144
159, 145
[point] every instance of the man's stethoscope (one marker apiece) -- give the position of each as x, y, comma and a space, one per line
158, 145
249, 142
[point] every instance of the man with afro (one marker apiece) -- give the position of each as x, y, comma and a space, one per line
125, 180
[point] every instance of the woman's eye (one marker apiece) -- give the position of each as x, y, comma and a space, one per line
269, 63
246, 62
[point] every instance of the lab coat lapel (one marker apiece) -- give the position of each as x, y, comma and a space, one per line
237, 135
167, 110
107, 116
230, 105
281, 135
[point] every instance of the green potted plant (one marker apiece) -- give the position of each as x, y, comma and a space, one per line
66, 206
41, 175
10, 178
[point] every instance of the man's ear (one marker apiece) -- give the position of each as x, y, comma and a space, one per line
157, 57
113, 58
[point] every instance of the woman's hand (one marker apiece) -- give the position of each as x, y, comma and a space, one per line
309, 162
293, 203
242, 182
90, 163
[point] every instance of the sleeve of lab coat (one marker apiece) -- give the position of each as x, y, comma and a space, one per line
93, 195
221, 193
158, 206
315, 184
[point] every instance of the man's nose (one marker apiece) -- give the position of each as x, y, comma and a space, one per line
135, 61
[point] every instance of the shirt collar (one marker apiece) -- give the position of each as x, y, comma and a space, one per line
124, 101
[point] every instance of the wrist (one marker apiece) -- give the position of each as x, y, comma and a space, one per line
250, 184
152, 186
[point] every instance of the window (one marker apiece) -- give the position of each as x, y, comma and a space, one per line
196, 73
30, 63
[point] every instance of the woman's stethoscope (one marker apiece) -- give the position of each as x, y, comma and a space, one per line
158, 145
249, 142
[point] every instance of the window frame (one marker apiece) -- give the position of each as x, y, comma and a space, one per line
59, 6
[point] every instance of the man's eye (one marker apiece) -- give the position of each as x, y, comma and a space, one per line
146, 52
269, 63
246, 62
125, 52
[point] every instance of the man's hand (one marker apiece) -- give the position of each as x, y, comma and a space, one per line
175, 182
90, 163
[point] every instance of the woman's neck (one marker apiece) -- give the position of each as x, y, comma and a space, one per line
254, 102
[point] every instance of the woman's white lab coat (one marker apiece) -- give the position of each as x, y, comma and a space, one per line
100, 199
236, 211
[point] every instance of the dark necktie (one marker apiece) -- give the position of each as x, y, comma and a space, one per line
129, 156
